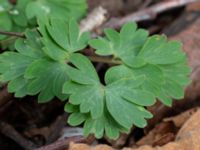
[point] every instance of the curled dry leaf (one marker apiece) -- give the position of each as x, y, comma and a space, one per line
160, 135
187, 139
180, 119
86, 147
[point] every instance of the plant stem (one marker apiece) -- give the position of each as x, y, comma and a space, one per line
8, 40
92, 58
16, 34
104, 60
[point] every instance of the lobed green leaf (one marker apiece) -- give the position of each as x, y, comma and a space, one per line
45, 63
62, 9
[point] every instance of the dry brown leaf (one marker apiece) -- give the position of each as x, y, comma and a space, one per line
86, 147
188, 138
120, 141
161, 132
180, 119
194, 7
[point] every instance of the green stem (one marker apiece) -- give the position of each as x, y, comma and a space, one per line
7, 41
104, 60
16, 34
92, 58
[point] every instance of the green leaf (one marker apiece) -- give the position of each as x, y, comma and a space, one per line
41, 63
51, 49
31, 46
94, 126
84, 72
22, 15
45, 63
140, 97
89, 98
67, 35
37, 73
61, 38
64, 9
71, 108
161, 62
102, 46
158, 80
5, 5
99, 126
138, 82
14, 64
12, 17
122, 95
18, 13
122, 45
86, 83
18, 86
76, 119
158, 51
47, 78
5, 23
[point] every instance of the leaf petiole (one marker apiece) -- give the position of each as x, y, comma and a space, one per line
104, 60
16, 34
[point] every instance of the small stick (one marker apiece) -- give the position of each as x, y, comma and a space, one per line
145, 4
95, 19
56, 127
104, 60
63, 144
16, 34
10, 132
148, 13
4, 96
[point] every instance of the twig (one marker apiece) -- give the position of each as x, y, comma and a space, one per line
94, 19
63, 144
104, 60
16, 34
56, 127
145, 4
10, 132
4, 97
7, 41
148, 13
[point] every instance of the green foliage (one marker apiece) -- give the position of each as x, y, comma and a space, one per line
35, 65
5, 21
93, 98
155, 58
60, 9
17, 17
49, 63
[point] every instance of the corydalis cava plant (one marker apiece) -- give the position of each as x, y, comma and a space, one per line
50, 63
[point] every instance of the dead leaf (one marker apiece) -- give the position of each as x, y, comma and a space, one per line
162, 132
180, 119
86, 147
188, 138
